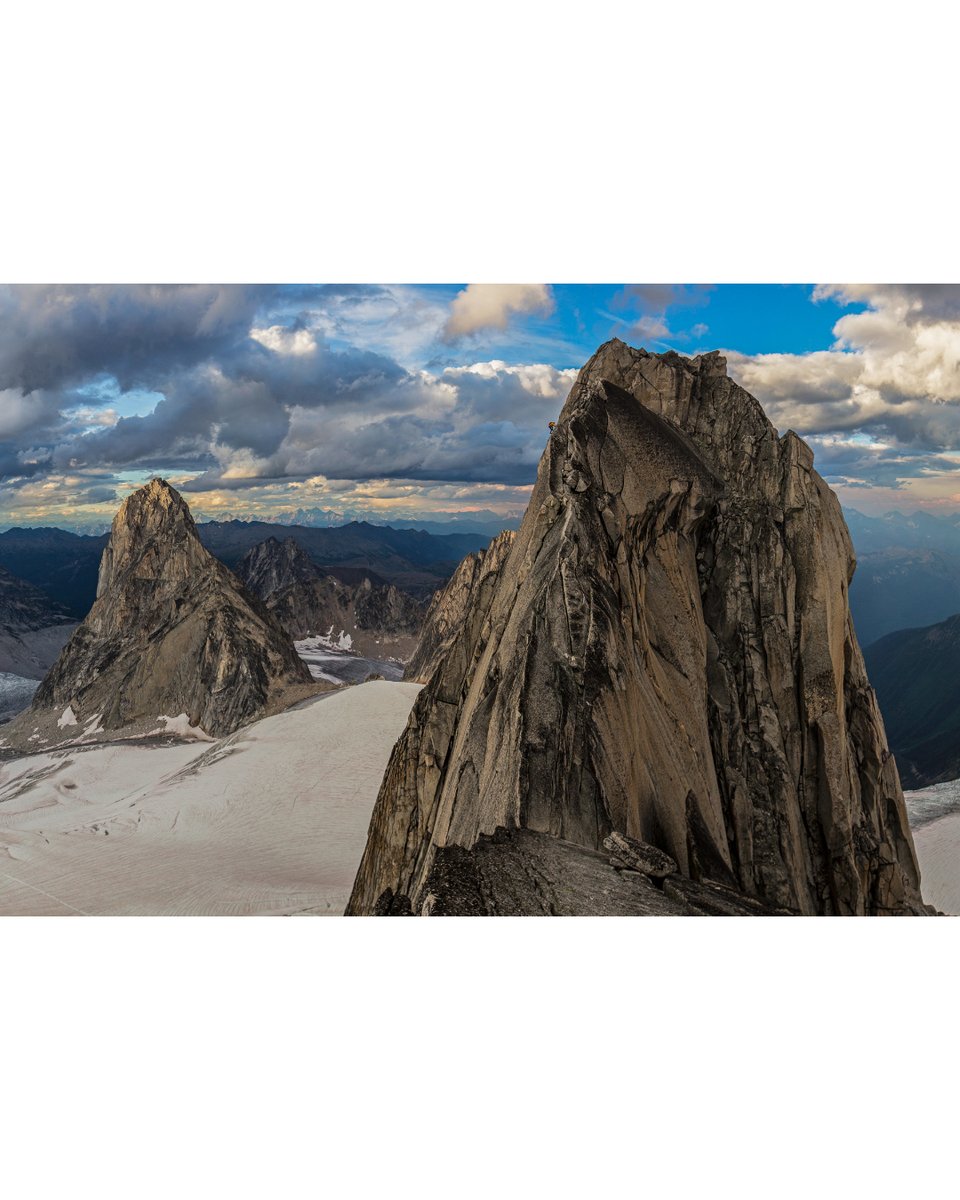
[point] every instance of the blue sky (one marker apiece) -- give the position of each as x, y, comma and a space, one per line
753, 318
432, 400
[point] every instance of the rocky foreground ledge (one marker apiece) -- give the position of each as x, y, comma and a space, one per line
521, 873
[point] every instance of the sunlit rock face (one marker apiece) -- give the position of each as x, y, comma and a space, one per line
171, 632
665, 652
448, 609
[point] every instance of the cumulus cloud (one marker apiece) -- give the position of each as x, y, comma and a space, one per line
898, 357
285, 341
236, 391
483, 306
893, 374
650, 328
262, 388
245, 386
485, 422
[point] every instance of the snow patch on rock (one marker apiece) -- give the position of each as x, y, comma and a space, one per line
68, 717
180, 726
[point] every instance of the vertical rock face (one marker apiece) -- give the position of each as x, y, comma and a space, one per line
171, 632
448, 608
387, 610
666, 653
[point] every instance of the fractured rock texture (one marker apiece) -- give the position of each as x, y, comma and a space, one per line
666, 653
448, 608
380, 618
171, 631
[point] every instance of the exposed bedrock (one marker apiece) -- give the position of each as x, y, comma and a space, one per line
448, 608
665, 652
171, 632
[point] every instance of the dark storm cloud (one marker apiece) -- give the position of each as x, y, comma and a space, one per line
249, 386
53, 336
17, 461
323, 376
99, 495
424, 449
242, 401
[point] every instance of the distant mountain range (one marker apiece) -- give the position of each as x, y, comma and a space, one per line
65, 565
32, 630
483, 521
908, 571
916, 674
919, 529
373, 618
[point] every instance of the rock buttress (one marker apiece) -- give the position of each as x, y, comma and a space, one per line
666, 652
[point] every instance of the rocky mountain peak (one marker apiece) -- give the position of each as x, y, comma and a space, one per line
154, 510
153, 527
379, 619
272, 565
171, 632
666, 654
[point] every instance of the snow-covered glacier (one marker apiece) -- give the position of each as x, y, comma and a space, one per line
270, 820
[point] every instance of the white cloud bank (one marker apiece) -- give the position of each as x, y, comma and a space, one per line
882, 404
896, 365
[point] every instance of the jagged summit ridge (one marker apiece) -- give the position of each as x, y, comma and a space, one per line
171, 632
379, 619
272, 565
666, 653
